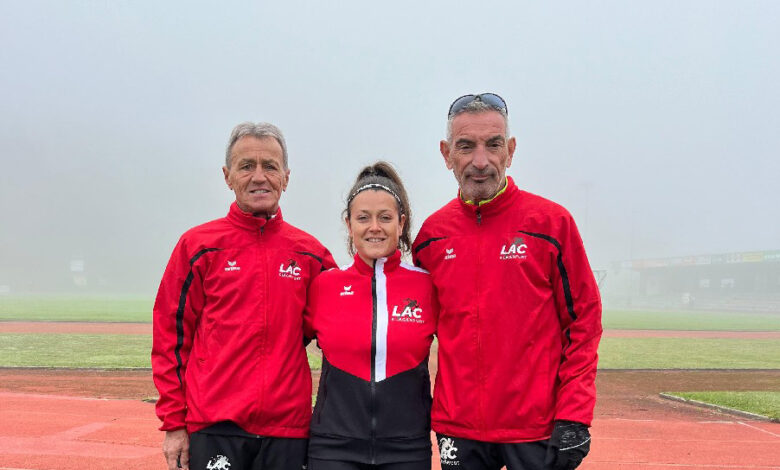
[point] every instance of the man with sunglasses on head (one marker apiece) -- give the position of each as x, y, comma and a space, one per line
520, 317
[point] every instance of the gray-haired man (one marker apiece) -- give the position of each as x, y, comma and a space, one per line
520, 316
228, 357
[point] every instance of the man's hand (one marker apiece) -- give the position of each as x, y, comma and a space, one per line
176, 448
571, 443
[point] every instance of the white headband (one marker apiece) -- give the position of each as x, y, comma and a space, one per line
376, 186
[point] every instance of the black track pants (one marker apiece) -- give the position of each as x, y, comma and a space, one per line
317, 464
464, 454
228, 452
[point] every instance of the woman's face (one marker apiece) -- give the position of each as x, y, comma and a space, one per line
374, 224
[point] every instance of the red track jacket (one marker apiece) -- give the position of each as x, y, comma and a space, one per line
375, 325
520, 317
228, 326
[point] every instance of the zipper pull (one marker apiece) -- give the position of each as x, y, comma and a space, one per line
479, 217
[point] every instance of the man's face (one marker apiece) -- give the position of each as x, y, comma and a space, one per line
479, 153
257, 174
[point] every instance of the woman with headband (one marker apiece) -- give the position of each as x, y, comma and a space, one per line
374, 321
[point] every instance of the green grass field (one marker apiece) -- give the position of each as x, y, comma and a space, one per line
103, 351
75, 350
688, 353
761, 403
124, 351
80, 350
709, 321
72, 308
315, 361
139, 309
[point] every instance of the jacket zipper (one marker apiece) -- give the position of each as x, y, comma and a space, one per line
264, 331
480, 366
372, 384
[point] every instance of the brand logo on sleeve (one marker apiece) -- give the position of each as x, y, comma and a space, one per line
515, 250
231, 266
449, 253
292, 270
410, 312
448, 451
347, 291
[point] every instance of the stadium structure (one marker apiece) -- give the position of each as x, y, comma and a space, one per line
739, 281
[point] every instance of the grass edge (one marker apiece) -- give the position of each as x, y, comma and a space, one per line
721, 408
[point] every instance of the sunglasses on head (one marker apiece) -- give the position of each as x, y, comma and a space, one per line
490, 99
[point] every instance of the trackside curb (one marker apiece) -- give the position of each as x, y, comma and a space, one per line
723, 409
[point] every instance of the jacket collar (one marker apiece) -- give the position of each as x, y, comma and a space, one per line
389, 263
496, 204
247, 221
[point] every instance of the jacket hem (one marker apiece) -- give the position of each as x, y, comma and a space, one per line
385, 451
501, 436
266, 431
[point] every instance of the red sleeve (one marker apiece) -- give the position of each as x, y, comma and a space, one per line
311, 307
579, 309
435, 307
327, 260
417, 240
176, 309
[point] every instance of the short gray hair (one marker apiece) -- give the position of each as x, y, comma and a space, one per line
258, 130
477, 106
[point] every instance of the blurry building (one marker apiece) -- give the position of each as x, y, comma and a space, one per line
743, 281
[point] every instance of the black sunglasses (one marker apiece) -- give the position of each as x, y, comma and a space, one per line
490, 99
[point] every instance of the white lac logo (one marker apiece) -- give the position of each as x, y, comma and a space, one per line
409, 313
448, 451
347, 291
220, 462
231, 266
515, 250
449, 253
292, 270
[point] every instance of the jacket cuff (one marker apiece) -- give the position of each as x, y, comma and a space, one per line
174, 421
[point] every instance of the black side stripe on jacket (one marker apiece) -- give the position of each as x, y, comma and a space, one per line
561, 268
426, 243
306, 253
564, 282
180, 312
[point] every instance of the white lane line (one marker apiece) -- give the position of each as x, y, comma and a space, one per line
678, 465
665, 421
662, 439
755, 427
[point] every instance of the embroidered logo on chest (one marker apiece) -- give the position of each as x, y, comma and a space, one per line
232, 266
409, 312
347, 291
516, 249
291, 271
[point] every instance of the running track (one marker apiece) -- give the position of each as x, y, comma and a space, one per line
66, 433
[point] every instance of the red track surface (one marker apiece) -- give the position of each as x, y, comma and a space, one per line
636, 431
72, 433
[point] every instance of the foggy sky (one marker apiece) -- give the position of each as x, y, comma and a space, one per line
655, 123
